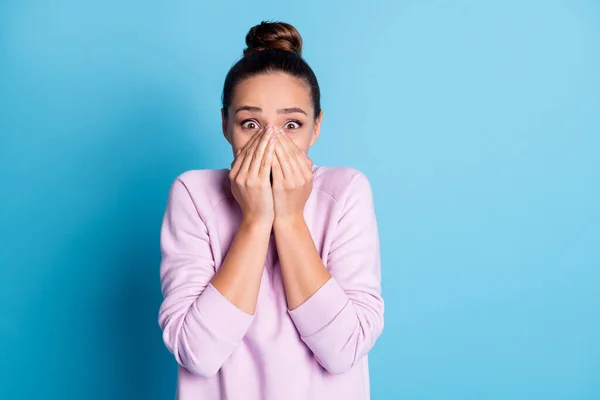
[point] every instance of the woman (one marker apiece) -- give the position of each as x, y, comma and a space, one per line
271, 270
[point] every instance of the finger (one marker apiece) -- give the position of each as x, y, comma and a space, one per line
299, 161
267, 161
276, 170
257, 158
252, 142
237, 153
304, 157
240, 155
284, 159
293, 153
248, 153
301, 156
235, 164
289, 147
304, 160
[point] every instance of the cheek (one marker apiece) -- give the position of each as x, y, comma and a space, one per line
303, 140
303, 143
240, 140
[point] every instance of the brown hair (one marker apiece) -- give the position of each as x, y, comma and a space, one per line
274, 35
272, 47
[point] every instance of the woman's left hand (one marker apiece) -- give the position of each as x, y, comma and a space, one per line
292, 179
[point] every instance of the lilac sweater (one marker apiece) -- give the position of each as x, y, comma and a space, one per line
317, 351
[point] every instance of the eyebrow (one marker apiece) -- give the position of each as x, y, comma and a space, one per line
289, 110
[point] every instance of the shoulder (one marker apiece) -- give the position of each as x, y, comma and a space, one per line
341, 183
206, 187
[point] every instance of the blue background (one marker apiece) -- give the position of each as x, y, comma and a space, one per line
478, 123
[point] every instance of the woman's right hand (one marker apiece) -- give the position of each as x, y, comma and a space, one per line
250, 181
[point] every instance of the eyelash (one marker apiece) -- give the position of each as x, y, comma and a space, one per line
298, 123
248, 121
294, 122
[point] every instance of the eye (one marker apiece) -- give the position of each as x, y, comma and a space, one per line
250, 124
291, 125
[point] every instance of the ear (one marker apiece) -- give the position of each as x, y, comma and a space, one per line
224, 125
317, 131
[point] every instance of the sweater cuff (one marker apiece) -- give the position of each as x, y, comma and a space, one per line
225, 320
320, 309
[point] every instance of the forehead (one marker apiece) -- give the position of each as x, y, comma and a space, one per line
274, 90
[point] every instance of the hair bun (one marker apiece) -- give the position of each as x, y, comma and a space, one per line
273, 35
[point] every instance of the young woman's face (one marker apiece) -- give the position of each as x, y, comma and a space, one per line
275, 99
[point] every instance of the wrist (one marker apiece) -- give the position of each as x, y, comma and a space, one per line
288, 222
257, 224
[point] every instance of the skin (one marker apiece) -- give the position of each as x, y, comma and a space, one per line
238, 278
271, 93
271, 125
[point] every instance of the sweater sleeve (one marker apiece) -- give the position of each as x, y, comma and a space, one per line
200, 326
342, 320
